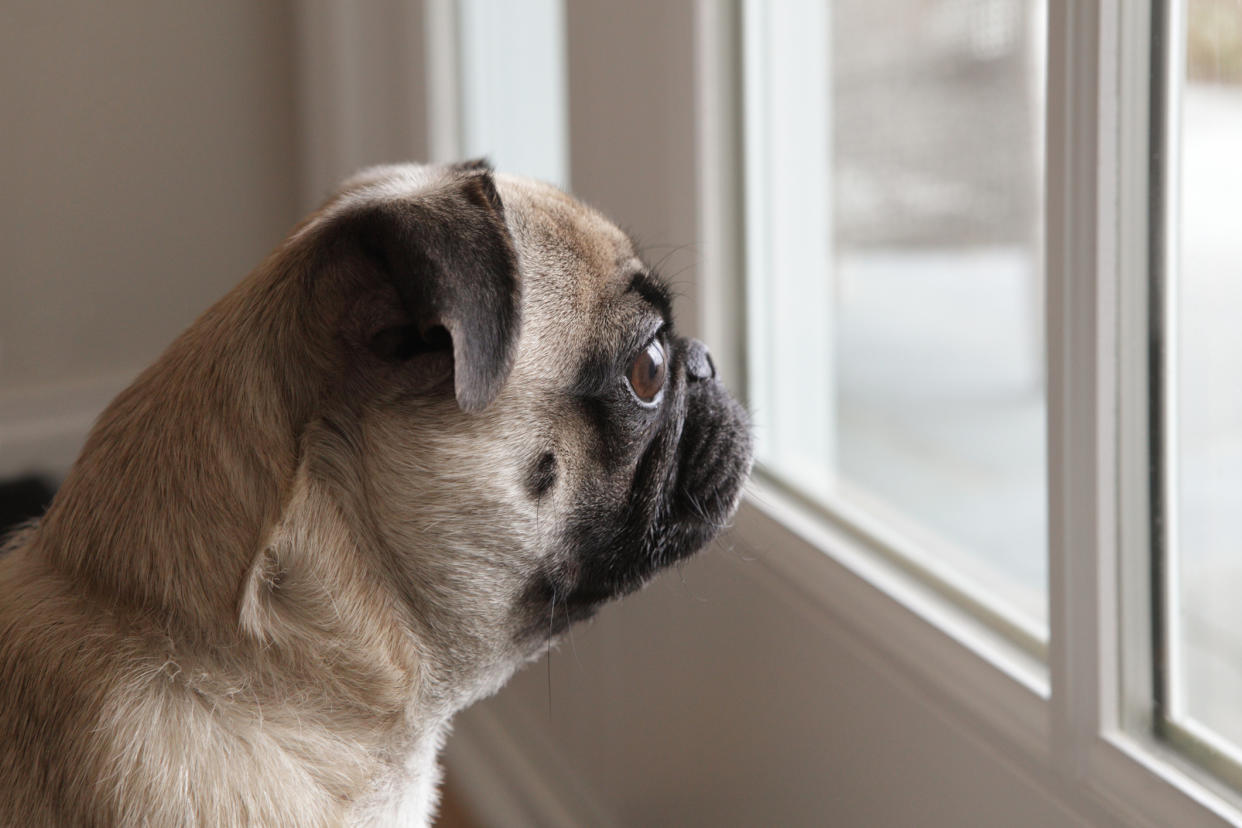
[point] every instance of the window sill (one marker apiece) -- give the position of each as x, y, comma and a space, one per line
943, 650
991, 688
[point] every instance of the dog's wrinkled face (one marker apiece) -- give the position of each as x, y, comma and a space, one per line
570, 465
645, 452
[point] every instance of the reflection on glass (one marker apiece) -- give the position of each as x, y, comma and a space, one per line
937, 181
1207, 620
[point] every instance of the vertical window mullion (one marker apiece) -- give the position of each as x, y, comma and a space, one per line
787, 107
1128, 699
722, 223
1161, 357
1080, 451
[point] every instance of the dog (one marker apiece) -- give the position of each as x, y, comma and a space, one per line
446, 418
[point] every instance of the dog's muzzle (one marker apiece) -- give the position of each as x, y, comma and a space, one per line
686, 488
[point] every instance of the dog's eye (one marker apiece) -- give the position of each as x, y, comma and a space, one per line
647, 372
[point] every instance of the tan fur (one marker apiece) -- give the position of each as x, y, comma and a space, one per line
260, 595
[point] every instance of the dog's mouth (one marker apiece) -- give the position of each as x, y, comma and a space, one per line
561, 608
682, 500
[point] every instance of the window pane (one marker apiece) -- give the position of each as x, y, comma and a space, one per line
930, 298
513, 86
1207, 618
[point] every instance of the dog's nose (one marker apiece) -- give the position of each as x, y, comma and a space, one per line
699, 365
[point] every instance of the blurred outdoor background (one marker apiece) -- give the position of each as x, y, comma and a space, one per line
936, 185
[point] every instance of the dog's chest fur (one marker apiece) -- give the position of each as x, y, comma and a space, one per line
158, 739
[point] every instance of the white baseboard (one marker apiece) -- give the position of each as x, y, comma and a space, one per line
42, 429
511, 775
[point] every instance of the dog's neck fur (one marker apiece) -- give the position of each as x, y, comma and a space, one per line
152, 546
246, 694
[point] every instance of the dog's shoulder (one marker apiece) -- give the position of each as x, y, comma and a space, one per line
104, 720
53, 685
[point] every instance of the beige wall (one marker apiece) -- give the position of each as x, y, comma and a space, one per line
149, 159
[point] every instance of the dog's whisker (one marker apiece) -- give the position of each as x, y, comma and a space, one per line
548, 651
685, 585
673, 250
701, 513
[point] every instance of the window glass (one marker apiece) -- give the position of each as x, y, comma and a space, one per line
921, 380
514, 86
1206, 622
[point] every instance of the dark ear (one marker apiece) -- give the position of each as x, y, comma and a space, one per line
449, 255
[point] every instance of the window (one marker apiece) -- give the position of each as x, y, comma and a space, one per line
1204, 635
963, 225
992, 351
897, 359
498, 81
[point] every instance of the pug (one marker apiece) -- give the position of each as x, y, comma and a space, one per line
448, 417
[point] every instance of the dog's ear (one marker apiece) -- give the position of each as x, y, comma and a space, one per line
448, 255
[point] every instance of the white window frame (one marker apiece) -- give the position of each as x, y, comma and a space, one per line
1083, 720
498, 83
785, 62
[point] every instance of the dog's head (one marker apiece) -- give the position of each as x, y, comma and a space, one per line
532, 435
452, 398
